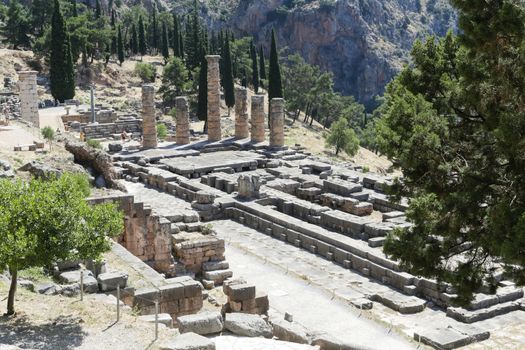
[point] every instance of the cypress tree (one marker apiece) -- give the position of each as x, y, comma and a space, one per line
275, 85
60, 63
114, 36
154, 40
165, 47
134, 40
143, 47
98, 10
84, 55
229, 95
202, 104
120, 46
176, 37
181, 45
255, 69
74, 10
262, 65
16, 29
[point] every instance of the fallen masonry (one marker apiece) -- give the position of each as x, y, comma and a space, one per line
332, 211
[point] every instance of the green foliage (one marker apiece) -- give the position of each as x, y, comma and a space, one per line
454, 122
174, 80
48, 133
229, 94
94, 143
343, 138
42, 222
61, 69
143, 46
162, 131
255, 68
202, 101
262, 64
146, 72
275, 86
17, 28
120, 46
165, 46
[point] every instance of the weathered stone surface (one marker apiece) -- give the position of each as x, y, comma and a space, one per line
241, 113
165, 319
6, 170
48, 289
241, 292
149, 122
215, 265
258, 119
214, 100
399, 302
40, 170
188, 341
182, 120
327, 342
450, 338
29, 97
204, 323
247, 325
110, 280
277, 122
249, 186
290, 331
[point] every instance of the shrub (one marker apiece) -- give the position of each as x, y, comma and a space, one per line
146, 72
94, 143
162, 131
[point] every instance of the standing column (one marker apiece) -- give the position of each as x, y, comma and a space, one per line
29, 97
149, 122
182, 120
214, 99
241, 113
258, 120
277, 122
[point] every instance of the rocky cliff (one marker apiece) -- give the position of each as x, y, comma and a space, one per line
363, 42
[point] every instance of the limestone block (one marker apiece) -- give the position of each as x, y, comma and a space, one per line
204, 323
188, 341
277, 122
164, 319
290, 331
247, 325
183, 121
241, 113
242, 292
258, 123
110, 280
214, 102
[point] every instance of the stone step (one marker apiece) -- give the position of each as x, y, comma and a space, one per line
402, 303
450, 337
471, 316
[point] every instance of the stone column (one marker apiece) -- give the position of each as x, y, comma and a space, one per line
258, 120
214, 99
182, 120
29, 97
149, 122
241, 113
277, 122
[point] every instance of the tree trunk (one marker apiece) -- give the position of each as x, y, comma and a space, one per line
12, 291
205, 129
337, 149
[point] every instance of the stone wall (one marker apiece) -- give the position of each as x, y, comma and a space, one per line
29, 97
107, 131
146, 235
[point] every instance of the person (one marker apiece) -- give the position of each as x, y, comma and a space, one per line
82, 136
124, 135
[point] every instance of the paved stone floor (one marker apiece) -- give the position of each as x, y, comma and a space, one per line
237, 343
274, 266
163, 203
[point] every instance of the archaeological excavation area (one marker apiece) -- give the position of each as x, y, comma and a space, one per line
286, 218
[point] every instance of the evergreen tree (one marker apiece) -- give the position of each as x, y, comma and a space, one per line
134, 40
154, 29
262, 64
454, 121
165, 46
343, 138
255, 68
61, 63
114, 36
181, 45
202, 102
214, 44
84, 56
120, 46
275, 85
41, 12
98, 10
74, 10
176, 37
143, 47
229, 94
193, 38
17, 26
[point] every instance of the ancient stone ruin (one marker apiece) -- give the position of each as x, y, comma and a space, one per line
29, 97
214, 99
149, 124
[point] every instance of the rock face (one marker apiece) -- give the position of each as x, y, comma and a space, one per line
99, 160
364, 43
